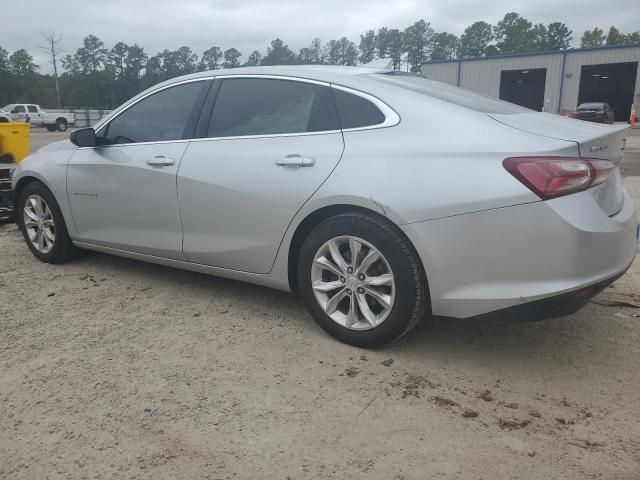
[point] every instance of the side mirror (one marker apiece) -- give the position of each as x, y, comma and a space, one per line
85, 137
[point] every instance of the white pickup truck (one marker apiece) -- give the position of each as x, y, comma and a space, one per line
18, 112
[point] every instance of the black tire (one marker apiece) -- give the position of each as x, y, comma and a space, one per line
61, 125
51, 128
62, 249
411, 296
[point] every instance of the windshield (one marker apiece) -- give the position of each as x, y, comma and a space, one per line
442, 91
7, 108
591, 106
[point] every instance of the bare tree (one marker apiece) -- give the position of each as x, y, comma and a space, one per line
52, 49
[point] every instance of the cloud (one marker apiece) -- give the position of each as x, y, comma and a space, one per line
251, 24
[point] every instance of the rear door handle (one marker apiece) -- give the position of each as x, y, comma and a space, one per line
160, 161
295, 160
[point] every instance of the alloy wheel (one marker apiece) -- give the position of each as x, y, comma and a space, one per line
39, 224
353, 283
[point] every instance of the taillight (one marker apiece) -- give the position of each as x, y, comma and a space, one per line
551, 177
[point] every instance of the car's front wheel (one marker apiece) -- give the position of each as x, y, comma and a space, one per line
43, 226
361, 281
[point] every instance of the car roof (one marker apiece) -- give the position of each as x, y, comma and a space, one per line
339, 75
322, 73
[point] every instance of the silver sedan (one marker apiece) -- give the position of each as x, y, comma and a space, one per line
379, 197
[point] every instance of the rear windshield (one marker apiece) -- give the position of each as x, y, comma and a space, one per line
591, 106
448, 93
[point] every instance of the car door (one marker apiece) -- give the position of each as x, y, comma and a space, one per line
123, 192
267, 146
34, 114
19, 113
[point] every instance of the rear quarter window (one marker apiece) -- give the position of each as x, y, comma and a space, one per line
355, 111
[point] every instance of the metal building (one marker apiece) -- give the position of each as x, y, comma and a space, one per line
550, 81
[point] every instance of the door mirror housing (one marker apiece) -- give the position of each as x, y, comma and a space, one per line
85, 137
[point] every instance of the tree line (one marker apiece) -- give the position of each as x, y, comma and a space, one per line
95, 76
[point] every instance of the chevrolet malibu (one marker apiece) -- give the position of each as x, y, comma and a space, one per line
379, 197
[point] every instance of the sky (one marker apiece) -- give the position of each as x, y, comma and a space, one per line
251, 24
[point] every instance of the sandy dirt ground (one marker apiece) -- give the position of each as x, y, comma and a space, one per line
112, 368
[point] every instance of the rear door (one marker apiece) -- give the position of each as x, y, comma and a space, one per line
267, 146
34, 114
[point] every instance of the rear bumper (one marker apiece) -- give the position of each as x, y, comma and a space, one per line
512, 257
551, 307
595, 118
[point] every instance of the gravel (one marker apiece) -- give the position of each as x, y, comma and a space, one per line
112, 368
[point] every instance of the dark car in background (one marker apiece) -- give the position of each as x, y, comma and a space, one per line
600, 112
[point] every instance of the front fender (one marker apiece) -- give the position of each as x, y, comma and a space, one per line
48, 166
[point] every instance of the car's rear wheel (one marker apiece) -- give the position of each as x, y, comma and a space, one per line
61, 125
361, 281
43, 226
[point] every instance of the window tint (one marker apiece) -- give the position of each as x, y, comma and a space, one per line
255, 106
355, 111
33, 108
18, 109
162, 116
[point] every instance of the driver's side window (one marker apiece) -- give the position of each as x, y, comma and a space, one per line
166, 115
18, 109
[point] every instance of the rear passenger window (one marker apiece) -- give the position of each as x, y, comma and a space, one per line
255, 106
355, 111
32, 109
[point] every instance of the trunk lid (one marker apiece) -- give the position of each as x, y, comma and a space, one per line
604, 142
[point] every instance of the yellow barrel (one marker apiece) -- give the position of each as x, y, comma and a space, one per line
14, 140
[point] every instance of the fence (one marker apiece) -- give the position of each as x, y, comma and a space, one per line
84, 118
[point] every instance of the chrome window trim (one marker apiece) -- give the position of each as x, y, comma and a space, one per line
273, 77
211, 139
272, 135
119, 145
391, 117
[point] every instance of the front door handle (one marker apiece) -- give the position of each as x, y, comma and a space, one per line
295, 160
160, 161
